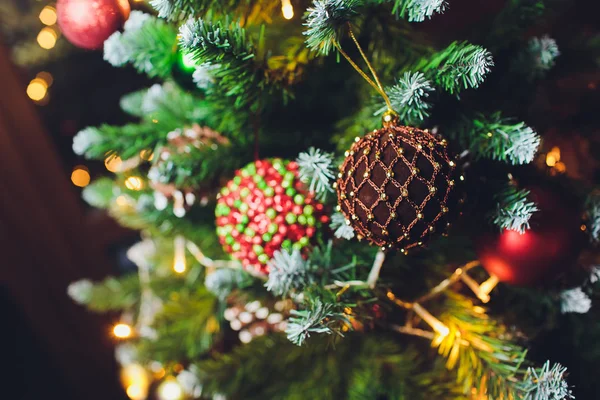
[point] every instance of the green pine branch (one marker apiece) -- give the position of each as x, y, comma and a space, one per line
358, 367
146, 42
497, 138
229, 50
409, 98
416, 10
184, 9
185, 327
513, 209
326, 20
111, 294
459, 66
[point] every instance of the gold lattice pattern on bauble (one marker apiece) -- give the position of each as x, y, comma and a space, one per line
396, 186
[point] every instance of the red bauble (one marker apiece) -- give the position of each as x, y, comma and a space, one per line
542, 252
88, 23
264, 208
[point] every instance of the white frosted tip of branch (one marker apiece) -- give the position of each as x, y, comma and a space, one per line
575, 301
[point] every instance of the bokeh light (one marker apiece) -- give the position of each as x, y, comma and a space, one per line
80, 176
122, 331
48, 15
47, 38
37, 89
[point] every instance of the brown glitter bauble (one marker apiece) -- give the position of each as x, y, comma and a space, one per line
396, 186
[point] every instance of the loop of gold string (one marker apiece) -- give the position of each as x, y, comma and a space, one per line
357, 68
364, 56
375, 84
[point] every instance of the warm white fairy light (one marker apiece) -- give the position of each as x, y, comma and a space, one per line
287, 9
179, 255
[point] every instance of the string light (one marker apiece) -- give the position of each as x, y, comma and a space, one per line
170, 389
553, 156
47, 38
48, 15
122, 330
146, 155
179, 255
136, 382
80, 176
134, 183
37, 89
287, 9
113, 163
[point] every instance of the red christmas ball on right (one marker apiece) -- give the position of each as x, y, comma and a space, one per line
548, 248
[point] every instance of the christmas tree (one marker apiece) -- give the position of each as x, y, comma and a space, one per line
346, 199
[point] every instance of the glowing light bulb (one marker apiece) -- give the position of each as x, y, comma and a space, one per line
48, 15
170, 389
287, 9
47, 38
80, 176
179, 255
113, 163
37, 89
553, 157
146, 155
136, 381
134, 183
122, 331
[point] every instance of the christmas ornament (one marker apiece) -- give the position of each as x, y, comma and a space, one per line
255, 319
396, 186
264, 208
164, 174
550, 245
88, 23
183, 70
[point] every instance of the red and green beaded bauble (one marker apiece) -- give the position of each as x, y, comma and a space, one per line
264, 208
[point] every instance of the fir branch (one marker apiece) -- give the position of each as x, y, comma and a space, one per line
131, 103
146, 42
287, 271
223, 281
230, 54
184, 9
185, 327
537, 58
477, 346
318, 317
513, 209
358, 365
316, 169
498, 138
203, 76
546, 383
575, 301
177, 9
459, 66
409, 96
592, 206
108, 295
418, 10
99, 193
341, 226
325, 21
107, 140
163, 108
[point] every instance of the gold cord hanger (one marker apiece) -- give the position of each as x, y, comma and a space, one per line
375, 84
